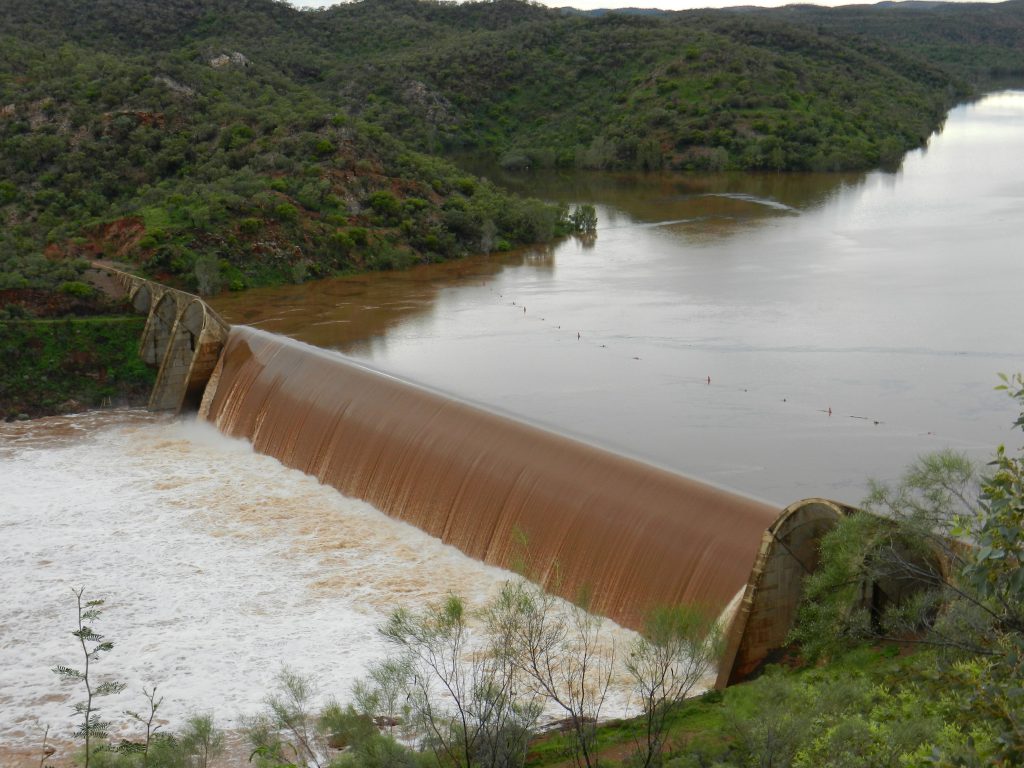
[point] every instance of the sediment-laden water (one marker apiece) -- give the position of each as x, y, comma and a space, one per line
786, 336
847, 323
219, 566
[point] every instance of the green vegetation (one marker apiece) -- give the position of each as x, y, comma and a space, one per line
54, 366
93, 646
246, 179
220, 144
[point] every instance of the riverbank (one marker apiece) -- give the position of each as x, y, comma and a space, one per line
68, 365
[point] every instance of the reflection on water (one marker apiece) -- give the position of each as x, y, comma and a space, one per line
354, 314
886, 298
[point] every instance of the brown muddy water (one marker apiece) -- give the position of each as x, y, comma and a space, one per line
783, 335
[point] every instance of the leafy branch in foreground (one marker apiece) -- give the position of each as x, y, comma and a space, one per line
93, 646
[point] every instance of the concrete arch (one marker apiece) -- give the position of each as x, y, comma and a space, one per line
788, 554
182, 339
141, 296
163, 316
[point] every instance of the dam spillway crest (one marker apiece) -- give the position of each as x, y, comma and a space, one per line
630, 535
633, 535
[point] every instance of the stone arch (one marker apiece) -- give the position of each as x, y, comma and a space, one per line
163, 316
788, 554
182, 339
191, 347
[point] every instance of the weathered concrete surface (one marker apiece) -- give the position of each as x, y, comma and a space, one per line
182, 339
788, 554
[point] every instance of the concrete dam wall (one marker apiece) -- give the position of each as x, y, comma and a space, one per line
577, 518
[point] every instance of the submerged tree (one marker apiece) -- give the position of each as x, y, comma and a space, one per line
583, 219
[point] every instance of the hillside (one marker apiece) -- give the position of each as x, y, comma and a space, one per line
222, 144
705, 90
977, 42
210, 167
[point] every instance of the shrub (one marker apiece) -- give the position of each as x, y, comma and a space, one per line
77, 289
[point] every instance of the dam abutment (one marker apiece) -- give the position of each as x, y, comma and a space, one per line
183, 339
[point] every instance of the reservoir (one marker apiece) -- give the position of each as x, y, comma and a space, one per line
887, 298
780, 335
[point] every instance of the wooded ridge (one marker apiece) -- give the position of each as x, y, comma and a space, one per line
221, 144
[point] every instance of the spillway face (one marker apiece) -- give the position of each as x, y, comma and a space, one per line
789, 553
630, 535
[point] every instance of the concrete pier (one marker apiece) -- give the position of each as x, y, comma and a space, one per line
182, 339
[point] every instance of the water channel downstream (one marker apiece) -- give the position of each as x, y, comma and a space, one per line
887, 298
890, 298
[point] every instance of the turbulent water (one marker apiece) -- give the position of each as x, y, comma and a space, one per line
219, 566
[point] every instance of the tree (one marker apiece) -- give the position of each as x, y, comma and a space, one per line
93, 646
994, 566
288, 729
208, 276
959, 542
583, 219
885, 572
488, 236
677, 649
147, 721
382, 694
562, 651
464, 700
993, 574
201, 740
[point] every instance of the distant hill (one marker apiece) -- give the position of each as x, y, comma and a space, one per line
225, 143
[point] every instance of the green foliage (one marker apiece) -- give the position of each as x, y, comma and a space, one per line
464, 705
198, 745
881, 571
201, 740
93, 647
583, 219
116, 116
288, 729
76, 288
679, 646
971, 608
995, 566
208, 276
69, 365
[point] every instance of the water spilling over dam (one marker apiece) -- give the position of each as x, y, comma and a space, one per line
629, 534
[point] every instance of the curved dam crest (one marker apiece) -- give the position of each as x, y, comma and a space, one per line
579, 519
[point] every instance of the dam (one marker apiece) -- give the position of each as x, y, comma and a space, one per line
577, 519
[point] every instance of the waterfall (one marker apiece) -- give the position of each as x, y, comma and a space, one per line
576, 518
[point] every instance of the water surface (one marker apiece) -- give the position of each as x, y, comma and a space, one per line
888, 299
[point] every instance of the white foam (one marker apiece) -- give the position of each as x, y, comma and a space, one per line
219, 566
